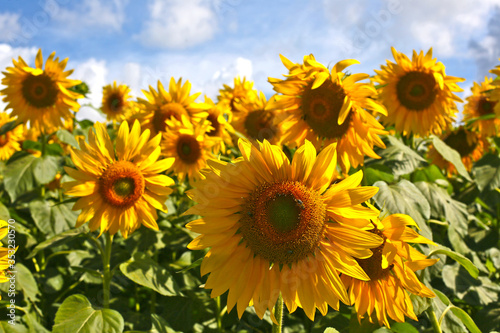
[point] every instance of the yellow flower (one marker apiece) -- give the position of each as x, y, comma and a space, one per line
116, 102
391, 269
161, 105
275, 226
218, 119
242, 92
121, 187
40, 96
418, 94
4, 253
470, 145
9, 142
189, 144
325, 106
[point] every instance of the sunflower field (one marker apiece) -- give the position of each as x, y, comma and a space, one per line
346, 202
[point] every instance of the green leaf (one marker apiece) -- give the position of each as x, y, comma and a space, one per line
160, 325
462, 260
58, 240
5, 327
19, 177
67, 138
4, 212
458, 312
77, 315
193, 265
45, 169
145, 271
487, 172
26, 282
429, 174
8, 127
451, 155
400, 158
376, 172
52, 219
331, 330
54, 149
33, 145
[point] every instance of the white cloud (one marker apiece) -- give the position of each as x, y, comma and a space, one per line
178, 24
10, 27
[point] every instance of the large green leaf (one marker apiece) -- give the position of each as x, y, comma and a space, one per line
400, 158
76, 315
45, 169
145, 271
4, 212
462, 260
458, 312
25, 282
67, 137
58, 240
160, 325
376, 172
487, 172
5, 327
52, 218
19, 177
451, 155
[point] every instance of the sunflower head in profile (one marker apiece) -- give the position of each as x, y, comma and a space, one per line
190, 145
469, 144
116, 103
242, 92
40, 95
417, 93
391, 270
120, 188
10, 141
275, 226
163, 105
326, 106
218, 116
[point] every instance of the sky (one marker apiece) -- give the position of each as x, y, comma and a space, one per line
209, 42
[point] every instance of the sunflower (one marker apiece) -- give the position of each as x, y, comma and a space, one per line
418, 94
325, 107
116, 102
119, 188
9, 142
470, 145
479, 104
251, 119
6, 259
190, 145
161, 105
218, 119
40, 96
275, 226
391, 269
242, 92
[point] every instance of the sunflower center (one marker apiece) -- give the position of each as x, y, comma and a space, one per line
259, 125
458, 141
165, 112
373, 265
283, 222
485, 106
416, 90
122, 184
212, 118
39, 90
115, 103
188, 149
321, 109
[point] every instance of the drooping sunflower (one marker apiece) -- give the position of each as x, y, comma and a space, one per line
116, 103
275, 226
40, 95
418, 94
190, 145
251, 119
242, 92
9, 142
470, 145
325, 107
162, 105
120, 188
391, 269
218, 116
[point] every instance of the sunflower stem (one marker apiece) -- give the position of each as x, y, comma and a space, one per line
106, 258
278, 313
434, 320
218, 316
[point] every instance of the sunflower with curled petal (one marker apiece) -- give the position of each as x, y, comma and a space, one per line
391, 269
470, 145
162, 105
9, 142
242, 92
190, 145
218, 116
120, 188
40, 95
325, 106
418, 94
116, 103
275, 226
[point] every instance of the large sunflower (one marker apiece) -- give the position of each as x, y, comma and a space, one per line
161, 105
40, 96
120, 188
418, 94
242, 92
275, 226
470, 145
325, 107
116, 102
190, 145
9, 142
391, 269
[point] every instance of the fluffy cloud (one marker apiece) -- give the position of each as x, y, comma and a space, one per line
9, 25
178, 24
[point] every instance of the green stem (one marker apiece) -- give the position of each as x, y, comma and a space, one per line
218, 316
44, 144
278, 313
106, 258
434, 320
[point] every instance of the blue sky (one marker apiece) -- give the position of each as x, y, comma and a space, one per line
209, 42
